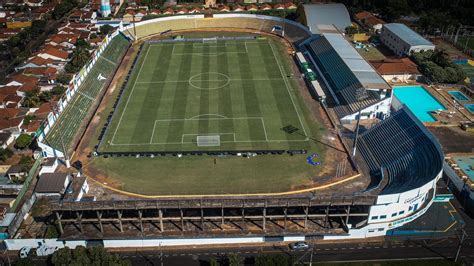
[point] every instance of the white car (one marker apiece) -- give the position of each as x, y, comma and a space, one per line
24, 251
299, 245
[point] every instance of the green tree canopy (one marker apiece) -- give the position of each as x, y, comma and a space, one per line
23, 141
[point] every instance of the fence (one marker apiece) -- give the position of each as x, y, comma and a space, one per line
31, 174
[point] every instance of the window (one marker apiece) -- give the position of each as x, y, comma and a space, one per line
383, 216
394, 214
401, 212
375, 217
410, 208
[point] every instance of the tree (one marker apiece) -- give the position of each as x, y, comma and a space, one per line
58, 90
235, 260
82, 44
64, 78
5, 154
62, 257
23, 141
106, 29
351, 30
87, 256
31, 98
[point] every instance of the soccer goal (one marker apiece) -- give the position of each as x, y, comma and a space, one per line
208, 141
209, 40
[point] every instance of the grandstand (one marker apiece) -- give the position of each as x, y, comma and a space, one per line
346, 71
401, 150
293, 32
73, 116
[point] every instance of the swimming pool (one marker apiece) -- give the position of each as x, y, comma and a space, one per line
470, 107
419, 100
459, 96
466, 163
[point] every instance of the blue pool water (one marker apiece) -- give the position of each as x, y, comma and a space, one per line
470, 107
420, 101
459, 96
466, 163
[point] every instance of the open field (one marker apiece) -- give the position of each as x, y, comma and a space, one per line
219, 95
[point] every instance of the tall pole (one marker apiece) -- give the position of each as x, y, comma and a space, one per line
63, 146
463, 237
360, 95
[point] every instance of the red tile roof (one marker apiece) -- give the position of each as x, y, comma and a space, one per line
395, 66
51, 50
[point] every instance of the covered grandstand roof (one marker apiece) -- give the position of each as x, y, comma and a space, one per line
346, 71
326, 14
400, 150
406, 34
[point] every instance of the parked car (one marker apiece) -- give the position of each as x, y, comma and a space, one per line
24, 251
299, 245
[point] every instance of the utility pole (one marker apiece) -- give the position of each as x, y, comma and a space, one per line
463, 237
63, 146
361, 94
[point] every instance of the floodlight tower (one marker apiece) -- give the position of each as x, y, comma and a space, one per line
60, 133
361, 94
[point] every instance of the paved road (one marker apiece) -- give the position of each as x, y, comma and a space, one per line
419, 249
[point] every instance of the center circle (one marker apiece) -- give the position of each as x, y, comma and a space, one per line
209, 81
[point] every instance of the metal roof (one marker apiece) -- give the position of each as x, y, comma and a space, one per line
407, 35
328, 14
366, 75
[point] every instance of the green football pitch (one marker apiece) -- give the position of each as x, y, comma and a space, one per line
208, 96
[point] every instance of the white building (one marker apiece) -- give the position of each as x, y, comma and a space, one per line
402, 40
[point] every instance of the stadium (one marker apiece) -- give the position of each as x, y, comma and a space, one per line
242, 125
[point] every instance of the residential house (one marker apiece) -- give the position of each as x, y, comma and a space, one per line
265, 7
49, 165
370, 21
238, 8
397, 70
34, 3
290, 6
224, 8
168, 11
6, 138
53, 53
252, 8
17, 172
195, 10
182, 11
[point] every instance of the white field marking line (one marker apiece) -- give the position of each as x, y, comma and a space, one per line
85, 95
264, 128
130, 96
153, 132
204, 115
178, 81
210, 118
103, 57
288, 89
177, 143
205, 134
214, 46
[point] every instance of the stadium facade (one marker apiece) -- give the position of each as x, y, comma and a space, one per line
402, 159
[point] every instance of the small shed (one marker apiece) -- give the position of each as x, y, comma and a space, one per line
52, 184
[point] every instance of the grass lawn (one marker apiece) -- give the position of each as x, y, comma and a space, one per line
468, 69
233, 92
198, 174
372, 54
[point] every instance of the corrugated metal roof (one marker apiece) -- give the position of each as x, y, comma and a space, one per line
361, 69
328, 14
406, 34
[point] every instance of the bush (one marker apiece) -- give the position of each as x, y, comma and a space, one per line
5, 154
23, 141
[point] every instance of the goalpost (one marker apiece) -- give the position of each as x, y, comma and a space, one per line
208, 141
209, 40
